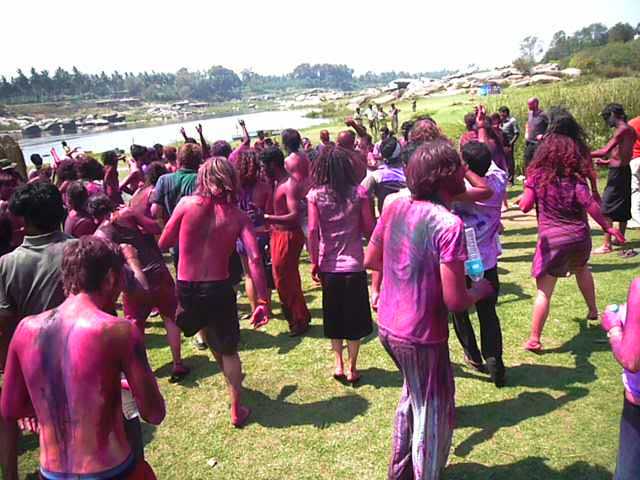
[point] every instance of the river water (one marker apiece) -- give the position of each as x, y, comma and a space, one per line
223, 128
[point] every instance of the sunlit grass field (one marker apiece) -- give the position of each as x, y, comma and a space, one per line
557, 418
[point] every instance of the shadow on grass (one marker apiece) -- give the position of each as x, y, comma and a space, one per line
529, 468
512, 245
279, 413
492, 416
202, 366
509, 288
515, 232
609, 267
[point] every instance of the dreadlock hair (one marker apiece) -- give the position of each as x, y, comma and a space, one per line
218, 179
333, 168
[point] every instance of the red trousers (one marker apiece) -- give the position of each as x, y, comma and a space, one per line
286, 246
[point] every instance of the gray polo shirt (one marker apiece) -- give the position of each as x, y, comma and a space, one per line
31, 276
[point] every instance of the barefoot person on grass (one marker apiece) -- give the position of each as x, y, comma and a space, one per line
64, 372
157, 291
616, 198
624, 336
287, 240
419, 244
207, 225
339, 217
557, 186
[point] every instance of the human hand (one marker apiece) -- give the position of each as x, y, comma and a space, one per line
199, 128
610, 319
539, 138
29, 424
315, 273
481, 116
349, 122
615, 233
183, 132
241, 123
482, 289
260, 316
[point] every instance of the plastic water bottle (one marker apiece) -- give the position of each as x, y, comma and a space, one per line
473, 266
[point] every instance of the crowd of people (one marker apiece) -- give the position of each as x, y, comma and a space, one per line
74, 239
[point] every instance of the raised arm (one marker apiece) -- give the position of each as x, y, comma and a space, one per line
479, 190
203, 142
140, 377
246, 139
184, 134
625, 341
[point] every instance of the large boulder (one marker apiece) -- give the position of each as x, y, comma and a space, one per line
571, 72
10, 149
542, 78
525, 82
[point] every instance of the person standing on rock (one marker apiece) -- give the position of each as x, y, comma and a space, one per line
616, 198
537, 124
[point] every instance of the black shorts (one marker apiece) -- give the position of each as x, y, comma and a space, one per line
346, 309
210, 305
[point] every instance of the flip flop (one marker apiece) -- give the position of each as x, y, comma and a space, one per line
353, 379
627, 253
178, 373
532, 346
339, 375
478, 367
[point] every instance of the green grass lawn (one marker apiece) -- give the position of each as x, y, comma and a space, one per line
556, 419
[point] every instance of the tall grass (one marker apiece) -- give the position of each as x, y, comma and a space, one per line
584, 100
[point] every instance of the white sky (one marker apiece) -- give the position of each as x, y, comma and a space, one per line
272, 37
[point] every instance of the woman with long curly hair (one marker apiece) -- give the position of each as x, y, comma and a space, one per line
557, 186
254, 198
419, 244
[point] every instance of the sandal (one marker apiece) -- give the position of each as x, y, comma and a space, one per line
353, 378
243, 416
338, 374
532, 346
627, 253
478, 367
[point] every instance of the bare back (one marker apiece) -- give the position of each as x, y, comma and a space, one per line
73, 379
207, 237
623, 153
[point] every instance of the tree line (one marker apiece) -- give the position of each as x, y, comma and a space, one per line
213, 85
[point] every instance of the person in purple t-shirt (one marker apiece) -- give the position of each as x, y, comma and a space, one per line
479, 208
562, 201
419, 245
339, 217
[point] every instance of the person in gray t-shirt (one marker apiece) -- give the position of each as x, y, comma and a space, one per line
511, 133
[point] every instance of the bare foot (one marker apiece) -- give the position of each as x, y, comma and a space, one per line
241, 416
604, 249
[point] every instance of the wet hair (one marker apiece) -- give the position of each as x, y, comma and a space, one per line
159, 148
138, 151
152, 155
558, 156
77, 195
36, 159
99, 206
615, 109
248, 167
218, 179
260, 133
291, 139
495, 117
332, 167
272, 155
170, 154
221, 148
432, 163
470, 120
87, 262
66, 170
40, 204
154, 172
190, 156
89, 168
478, 156
504, 109
562, 122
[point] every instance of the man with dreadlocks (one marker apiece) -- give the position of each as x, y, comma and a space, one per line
616, 199
207, 225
